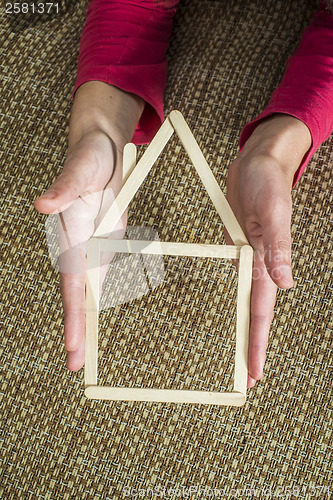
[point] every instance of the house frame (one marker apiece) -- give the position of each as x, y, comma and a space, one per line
134, 175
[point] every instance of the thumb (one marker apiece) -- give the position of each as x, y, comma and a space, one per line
277, 243
69, 185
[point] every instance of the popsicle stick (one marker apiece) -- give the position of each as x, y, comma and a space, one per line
164, 395
129, 160
243, 318
235, 398
134, 180
206, 175
92, 309
170, 248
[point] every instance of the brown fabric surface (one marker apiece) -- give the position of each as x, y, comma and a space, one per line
225, 60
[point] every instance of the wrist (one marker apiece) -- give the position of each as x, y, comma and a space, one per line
100, 106
283, 138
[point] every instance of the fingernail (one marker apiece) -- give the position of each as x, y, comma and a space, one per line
49, 195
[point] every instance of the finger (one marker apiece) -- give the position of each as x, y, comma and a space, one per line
277, 243
250, 382
263, 297
75, 359
75, 227
73, 298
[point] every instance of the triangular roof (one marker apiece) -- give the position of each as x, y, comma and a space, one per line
174, 123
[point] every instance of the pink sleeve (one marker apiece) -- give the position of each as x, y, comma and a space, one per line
124, 43
306, 90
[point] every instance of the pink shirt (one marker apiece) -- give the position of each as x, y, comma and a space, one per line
124, 43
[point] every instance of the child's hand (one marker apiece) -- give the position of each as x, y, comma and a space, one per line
259, 192
91, 179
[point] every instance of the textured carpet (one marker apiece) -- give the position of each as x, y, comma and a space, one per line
225, 60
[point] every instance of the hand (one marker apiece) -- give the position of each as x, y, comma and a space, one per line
92, 167
90, 180
259, 191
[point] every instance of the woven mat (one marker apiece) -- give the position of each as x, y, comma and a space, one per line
225, 60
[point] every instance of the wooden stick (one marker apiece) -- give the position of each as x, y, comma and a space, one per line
135, 180
243, 318
92, 309
164, 395
129, 160
206, 175
170, 248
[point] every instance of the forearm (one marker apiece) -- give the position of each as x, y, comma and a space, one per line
99, 106
124, 43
